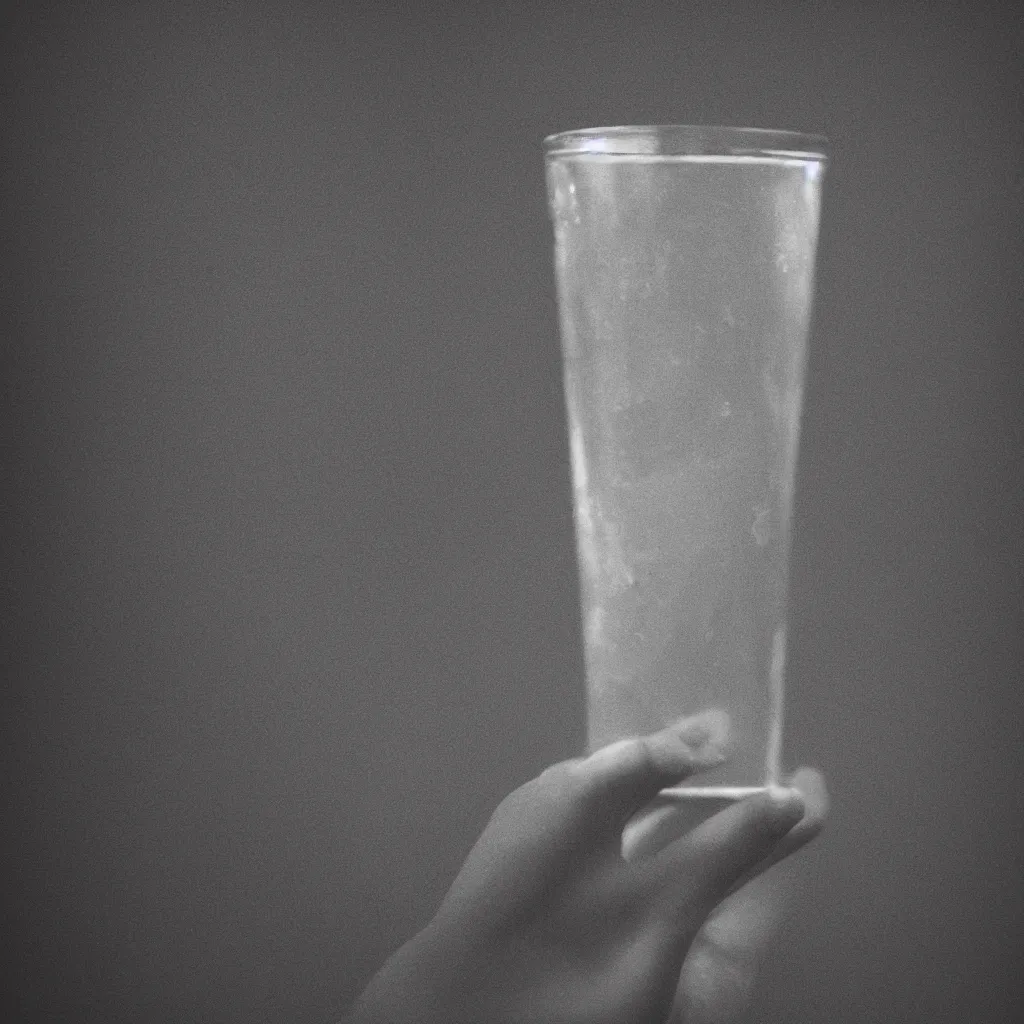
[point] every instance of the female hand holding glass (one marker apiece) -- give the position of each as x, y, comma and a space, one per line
573, 908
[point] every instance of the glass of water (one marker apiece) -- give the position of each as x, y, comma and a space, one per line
685, 271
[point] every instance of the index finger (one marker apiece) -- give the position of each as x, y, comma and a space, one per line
626, 775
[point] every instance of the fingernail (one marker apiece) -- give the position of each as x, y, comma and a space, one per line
708, 728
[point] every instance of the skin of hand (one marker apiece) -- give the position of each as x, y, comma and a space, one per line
581, 900
720, 968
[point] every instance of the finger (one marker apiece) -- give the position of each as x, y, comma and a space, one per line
667, 817
653, 828
811, 786
699, 870
625, 776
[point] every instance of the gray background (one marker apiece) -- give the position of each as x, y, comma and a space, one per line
290, 578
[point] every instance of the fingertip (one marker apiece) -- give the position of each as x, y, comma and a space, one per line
786, 802
709, 730
811, 785
810, 782
776, 812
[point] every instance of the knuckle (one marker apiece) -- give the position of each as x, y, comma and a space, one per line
620, 763
558, 782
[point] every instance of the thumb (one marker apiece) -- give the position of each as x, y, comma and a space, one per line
697, 871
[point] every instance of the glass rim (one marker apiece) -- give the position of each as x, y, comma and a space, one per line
687, 140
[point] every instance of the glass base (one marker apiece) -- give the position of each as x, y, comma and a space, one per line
725, 794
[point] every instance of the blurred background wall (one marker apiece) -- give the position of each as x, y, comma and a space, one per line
290, 574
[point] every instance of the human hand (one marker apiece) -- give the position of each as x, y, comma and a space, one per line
553, 919
718, 974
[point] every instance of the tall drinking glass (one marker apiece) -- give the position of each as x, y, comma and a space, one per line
685, 269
